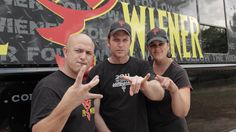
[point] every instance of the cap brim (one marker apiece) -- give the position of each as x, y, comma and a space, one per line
120, 29
157, 39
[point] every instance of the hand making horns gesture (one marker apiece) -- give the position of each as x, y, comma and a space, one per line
167, 83
79, 92
136, 83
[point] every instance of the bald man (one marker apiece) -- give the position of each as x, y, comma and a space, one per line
60, 102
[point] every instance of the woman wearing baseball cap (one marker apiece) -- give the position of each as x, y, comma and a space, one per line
167, 115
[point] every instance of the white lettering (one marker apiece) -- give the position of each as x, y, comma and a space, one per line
24, 97
21, 26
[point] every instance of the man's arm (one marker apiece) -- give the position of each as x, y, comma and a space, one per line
56, 120
99, 122
73, 97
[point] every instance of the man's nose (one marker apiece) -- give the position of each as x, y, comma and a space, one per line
83, 55
121, 44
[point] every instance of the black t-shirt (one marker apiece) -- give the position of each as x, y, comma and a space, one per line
120, 111
46, 96
160, 115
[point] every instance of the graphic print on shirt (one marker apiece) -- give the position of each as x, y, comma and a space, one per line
88, 110
121, 83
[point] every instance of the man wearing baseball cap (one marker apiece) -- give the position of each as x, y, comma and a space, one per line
123, 107
167, 115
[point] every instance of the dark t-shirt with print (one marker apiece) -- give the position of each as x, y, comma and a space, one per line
160, 115
120, 111
49, 92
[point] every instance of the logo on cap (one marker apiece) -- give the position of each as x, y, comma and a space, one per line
121, 22
155, 30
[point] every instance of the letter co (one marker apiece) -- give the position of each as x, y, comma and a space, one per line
23, 97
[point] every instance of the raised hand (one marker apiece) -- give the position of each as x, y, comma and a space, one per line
79, 92
136, 83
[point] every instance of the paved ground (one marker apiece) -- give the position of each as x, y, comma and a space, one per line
213, 106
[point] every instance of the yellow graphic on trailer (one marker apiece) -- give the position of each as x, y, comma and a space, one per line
175, 27
183, 31
3, 49
56, 1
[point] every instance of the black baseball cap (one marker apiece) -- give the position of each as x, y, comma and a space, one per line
120, 25
156, 34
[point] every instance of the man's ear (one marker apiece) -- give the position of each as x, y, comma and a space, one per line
108, 43
65, 51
